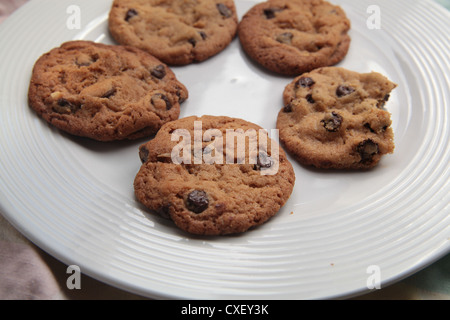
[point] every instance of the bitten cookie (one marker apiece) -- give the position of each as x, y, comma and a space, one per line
104, 92
291, 37
212, 186
177, 32
335, 118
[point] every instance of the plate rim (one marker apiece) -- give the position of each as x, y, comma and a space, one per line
39, 242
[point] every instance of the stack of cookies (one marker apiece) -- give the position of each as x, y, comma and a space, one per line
332, 118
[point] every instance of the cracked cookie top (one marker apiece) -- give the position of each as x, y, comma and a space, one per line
216, 189
177, 32
295, 36
104, 92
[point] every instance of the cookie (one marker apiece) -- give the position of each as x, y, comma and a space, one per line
335, 118
291, 37
104, 92
206, 184
178, 32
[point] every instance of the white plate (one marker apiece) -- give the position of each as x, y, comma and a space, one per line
74, 198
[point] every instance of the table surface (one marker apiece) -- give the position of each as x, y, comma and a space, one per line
27, 272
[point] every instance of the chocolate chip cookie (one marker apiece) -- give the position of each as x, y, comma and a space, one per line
213, 175
335, 118
291, 37
177, 32
104, 92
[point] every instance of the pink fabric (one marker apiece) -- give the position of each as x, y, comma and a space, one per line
8, 6
23, 275
28, 273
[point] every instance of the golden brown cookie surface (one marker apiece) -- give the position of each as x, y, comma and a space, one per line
204, 195
335, 118
177, 32
104, 92
295, 36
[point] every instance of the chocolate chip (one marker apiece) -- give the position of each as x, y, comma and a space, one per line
203, 35
159, 71
164, 211
270, 13
224, 10
381, 103
310, 99
63, 102
285, 38
197, 201
160, 96
313, 47
367, 149
64, 106
264, 161
181, 99
367, 125
167, 101
108, 94
305, 82
143, 154
192, 41
288, 108
130, 14
343, 90
332, 123
85, 60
